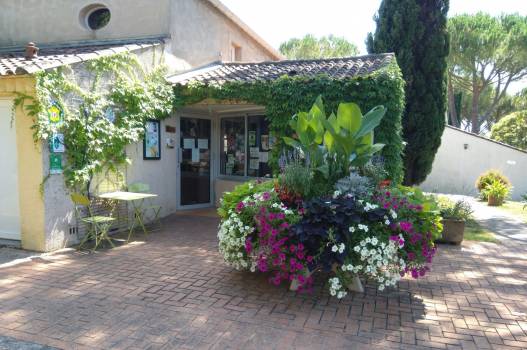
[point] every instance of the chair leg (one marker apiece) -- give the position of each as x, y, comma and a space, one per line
140, 220
86, 237
104, 234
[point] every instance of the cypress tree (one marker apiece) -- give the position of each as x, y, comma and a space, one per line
416, 31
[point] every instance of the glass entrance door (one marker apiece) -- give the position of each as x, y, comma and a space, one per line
195, 161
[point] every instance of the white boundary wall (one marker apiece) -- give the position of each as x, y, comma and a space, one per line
463, 156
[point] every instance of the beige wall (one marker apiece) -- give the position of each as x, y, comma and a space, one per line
30, 167
200, 33
159, 174
456, 169
57, 21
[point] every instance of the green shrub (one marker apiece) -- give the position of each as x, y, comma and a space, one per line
456, 210
512, 130
230, 199
487, 178
298, 179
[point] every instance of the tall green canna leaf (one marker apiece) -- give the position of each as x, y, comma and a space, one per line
371, 120
349, 117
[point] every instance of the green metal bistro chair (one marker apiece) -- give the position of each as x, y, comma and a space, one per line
99, 226
151, 211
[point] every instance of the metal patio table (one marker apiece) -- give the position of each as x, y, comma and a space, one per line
137, 201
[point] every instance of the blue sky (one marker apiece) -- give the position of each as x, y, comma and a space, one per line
279, 20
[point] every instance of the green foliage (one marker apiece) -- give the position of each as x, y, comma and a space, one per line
332, 145
416, 32
240, 192
93, 143
512, 130
496, 190
310, 47
428, 218
355, 185
488, 54
298, 180
285, 96
457, 210
487, 178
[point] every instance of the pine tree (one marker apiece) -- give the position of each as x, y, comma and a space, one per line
416, 31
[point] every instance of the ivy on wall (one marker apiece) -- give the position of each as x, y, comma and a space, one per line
287, 95
94, 142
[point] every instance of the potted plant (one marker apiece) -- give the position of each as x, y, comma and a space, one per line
487, 178
496, 192
454, 214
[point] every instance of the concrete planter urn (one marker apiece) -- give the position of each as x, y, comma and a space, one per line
494, 201
453, 231
295, 284
355, 285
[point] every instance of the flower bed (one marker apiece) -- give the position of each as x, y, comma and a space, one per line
327, 211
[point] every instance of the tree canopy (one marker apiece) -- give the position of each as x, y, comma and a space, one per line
512, 130
416, 31
310, 47
487, 55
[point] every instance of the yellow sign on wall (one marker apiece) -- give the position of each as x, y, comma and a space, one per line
55, 113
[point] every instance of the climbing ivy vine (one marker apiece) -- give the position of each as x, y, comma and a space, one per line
287, 95
94, 142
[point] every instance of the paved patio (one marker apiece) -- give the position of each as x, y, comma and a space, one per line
173, 291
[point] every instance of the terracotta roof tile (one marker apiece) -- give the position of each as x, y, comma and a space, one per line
14, 63
219, 73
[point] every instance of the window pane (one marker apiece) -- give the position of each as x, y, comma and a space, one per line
258, 147
232, 157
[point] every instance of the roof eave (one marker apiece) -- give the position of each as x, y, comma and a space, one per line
236, 20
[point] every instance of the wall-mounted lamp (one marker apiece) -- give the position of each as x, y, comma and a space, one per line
465, 146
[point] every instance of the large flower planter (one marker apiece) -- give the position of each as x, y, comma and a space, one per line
453, 231
354, 286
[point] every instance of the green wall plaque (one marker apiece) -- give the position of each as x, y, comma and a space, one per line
55, 163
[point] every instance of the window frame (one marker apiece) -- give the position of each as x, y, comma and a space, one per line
245, 117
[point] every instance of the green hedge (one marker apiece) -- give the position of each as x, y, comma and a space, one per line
287, 95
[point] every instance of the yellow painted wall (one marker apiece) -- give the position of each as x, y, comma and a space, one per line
30, 167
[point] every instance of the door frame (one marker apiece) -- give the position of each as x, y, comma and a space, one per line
213, 155
16, 236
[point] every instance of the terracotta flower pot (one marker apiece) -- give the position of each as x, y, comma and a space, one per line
453, 230
493, 201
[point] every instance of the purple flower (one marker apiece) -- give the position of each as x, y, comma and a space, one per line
266, 196
240, 206
406, 226
248, 245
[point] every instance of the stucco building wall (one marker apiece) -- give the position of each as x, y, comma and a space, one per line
58, 21
200, 33
160, 174
30, 170
59, 209
462, 157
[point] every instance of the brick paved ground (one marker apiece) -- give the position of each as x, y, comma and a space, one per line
174, 292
